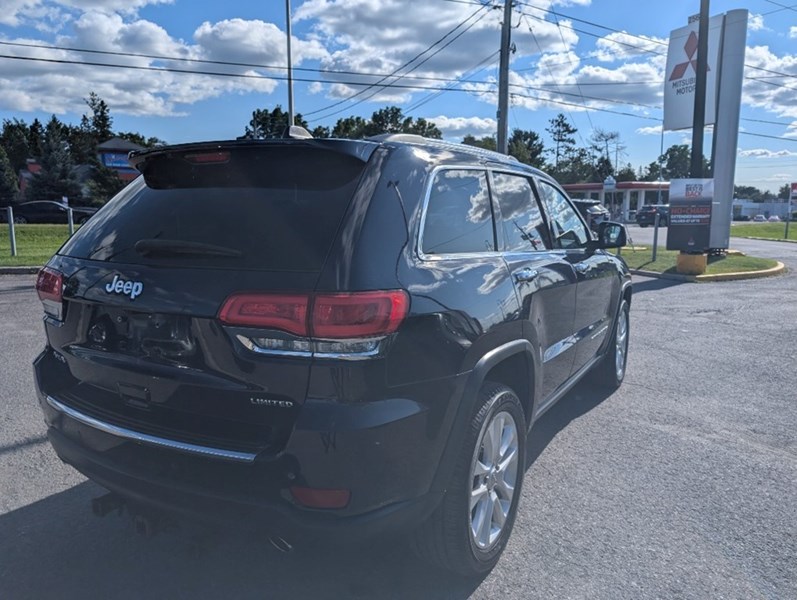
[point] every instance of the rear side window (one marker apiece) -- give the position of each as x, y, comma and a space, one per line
459, 217
272, 208
521, 218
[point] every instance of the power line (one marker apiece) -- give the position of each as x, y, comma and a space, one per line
406, 64
464, 79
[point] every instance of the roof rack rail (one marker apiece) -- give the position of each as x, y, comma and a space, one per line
411, 138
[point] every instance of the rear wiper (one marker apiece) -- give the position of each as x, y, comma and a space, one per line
158, 247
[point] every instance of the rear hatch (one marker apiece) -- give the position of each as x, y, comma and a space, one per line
137, 332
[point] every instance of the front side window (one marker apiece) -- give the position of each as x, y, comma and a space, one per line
521, 219
459, 218
567, 230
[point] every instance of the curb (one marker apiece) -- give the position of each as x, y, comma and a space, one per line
738, 276
761, 239
19, 270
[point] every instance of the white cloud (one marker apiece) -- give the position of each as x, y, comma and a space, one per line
254, 41
654, 130
624, 46
61, 88
756, 23
768, 81
766, 153
793, 31
376, 37
459, 127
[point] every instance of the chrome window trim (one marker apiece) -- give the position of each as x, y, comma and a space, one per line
532, 175
147, 439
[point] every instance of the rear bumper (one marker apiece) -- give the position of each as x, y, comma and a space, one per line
386, 453
166, 491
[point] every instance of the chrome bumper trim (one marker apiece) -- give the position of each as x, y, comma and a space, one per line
151, 440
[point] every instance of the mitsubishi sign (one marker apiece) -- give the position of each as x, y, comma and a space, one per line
681, 75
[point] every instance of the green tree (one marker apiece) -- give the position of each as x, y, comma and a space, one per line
137, 138
266, 123
385, 120
487, 142
577, 166
100, 121
104, 184
562, 135
527, 147
35, 139
57, 177
8, 180
784, 191
351, 128
14, 140
627, 173
320, 132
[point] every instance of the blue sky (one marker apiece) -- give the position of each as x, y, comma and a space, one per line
572, 55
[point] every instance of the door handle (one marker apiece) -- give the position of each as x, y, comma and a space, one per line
524, 275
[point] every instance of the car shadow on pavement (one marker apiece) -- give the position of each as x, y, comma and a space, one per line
580, 400
654, 284
56, 548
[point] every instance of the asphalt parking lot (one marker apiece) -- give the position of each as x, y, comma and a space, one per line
682, 484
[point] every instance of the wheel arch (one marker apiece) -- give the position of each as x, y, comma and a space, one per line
513, 364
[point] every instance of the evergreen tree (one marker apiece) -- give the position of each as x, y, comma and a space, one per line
104, 184
8, 180
35, 139
352, 128
562, 134
527, 147
487, 142
14, 140
57, 177
100, 123
266, 124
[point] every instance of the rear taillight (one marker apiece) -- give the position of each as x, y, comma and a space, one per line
269, 311
339, 324
359, 314
50, 288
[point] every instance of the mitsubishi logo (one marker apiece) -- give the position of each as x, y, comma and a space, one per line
691, 50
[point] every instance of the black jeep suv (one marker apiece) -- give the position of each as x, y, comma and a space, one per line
327, 336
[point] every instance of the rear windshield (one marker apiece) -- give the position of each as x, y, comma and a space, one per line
268, 209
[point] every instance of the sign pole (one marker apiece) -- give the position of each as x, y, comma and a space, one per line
699, 122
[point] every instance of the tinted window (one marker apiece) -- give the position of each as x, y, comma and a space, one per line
459, 217
521, 218
269, 209
566, 228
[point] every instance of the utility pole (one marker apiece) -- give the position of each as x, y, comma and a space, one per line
290, 63
503, 79
698, 125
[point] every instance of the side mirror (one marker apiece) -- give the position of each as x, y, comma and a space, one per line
611, 235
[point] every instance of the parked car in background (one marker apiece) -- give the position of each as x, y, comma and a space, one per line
774, 219
759, 219
647, 214
354, 352
46, 211
741, 217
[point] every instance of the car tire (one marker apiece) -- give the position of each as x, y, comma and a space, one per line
610, 371
458, 536
20, 220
